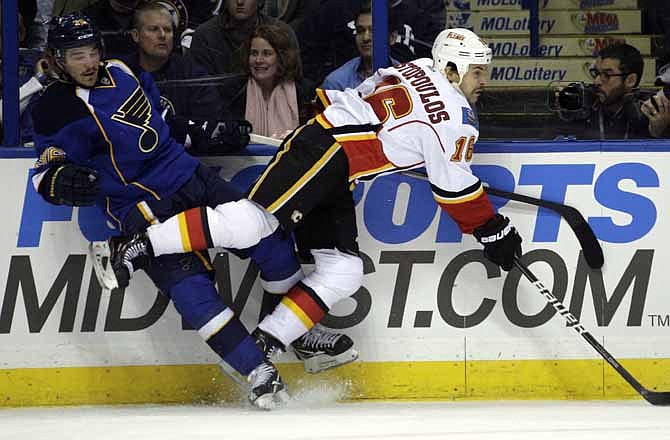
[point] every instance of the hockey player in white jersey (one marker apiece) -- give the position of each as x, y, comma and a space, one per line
417, 114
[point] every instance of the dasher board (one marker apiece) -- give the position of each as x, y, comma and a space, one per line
487, 5
572, 46
521, 72
551, 22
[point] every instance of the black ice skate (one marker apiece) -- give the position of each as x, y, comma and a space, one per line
321, 349
268, 344
268, 391
124, 255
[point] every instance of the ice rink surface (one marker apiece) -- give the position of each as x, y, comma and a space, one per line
313, 420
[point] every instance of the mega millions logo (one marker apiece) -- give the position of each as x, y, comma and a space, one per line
592, 46
591, 4
596, 22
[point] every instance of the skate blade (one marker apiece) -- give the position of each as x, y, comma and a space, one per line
270, 401
323, 362
100, 252
265, 402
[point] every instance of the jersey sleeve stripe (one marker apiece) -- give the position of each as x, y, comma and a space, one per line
353, 137
464, 195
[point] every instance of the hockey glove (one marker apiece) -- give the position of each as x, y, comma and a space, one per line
70, 185
219, 137
501, 241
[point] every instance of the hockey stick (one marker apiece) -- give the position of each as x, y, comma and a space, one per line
593, 252
661, 398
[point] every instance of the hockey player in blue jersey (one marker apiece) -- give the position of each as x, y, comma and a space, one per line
100, 141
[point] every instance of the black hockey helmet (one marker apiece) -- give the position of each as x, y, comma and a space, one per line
70, 31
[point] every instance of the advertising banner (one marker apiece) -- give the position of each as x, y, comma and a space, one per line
542, 71
429, 296
566, 46
551, 22
483, 5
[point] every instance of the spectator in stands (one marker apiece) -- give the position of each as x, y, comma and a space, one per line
616, 109
657, 108
64, 7
217, 44
114, 18
186, 106
37, 37
354, 71
273, 95
326, 37
291, 12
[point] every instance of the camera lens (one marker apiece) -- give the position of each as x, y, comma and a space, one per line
570, 98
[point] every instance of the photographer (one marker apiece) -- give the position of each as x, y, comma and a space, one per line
610, 108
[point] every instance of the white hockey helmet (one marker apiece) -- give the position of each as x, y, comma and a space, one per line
461, 47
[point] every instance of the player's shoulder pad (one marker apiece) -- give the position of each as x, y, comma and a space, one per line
56, 107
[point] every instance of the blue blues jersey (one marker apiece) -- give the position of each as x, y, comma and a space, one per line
115, 128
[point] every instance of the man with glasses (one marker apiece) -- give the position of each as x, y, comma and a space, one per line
615, 113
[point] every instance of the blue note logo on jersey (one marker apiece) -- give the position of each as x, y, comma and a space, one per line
469, 117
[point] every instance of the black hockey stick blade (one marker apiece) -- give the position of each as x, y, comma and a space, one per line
593, 252
659, 398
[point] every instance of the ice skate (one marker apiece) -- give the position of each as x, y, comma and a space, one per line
123, 256
268, 391
267, 343
321, 349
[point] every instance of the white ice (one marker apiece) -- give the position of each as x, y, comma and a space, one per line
314, 420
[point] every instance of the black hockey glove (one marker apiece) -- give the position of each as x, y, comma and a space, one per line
501, 241
219, 137
70, 185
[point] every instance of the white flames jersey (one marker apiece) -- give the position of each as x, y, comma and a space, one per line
425, 122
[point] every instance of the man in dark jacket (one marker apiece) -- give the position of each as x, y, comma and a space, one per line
186, 106
217, 43
614, 98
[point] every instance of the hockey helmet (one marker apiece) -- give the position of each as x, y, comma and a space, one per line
461, 47
70, 31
